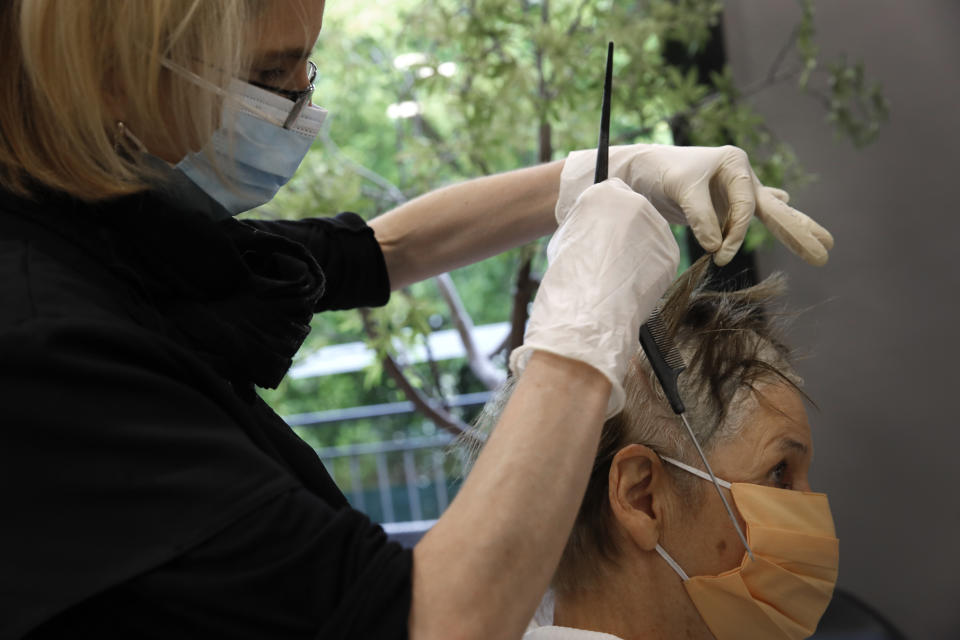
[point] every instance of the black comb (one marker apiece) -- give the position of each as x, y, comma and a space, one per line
664, 357
603, 144
661, 350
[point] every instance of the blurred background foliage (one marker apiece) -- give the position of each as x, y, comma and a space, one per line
424, 93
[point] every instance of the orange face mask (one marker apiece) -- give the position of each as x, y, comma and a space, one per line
781, 593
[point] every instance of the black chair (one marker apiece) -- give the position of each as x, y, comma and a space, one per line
850, 618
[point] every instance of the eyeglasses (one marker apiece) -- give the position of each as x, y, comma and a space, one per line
300, 98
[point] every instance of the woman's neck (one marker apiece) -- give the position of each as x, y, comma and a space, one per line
640, 604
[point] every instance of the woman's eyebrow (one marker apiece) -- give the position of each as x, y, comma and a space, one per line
789, 444
292, 53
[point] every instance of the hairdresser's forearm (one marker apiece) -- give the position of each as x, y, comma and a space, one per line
481, 570
464, 223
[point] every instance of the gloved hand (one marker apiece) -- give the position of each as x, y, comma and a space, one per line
701, 186
609, 262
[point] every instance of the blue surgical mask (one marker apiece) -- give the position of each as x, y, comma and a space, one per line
253, 152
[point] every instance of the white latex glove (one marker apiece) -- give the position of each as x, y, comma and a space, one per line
610, 261
701, 186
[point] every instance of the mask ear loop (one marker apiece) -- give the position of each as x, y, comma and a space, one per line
206, 84
716, 483
673, 563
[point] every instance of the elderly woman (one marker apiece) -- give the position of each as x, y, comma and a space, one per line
147, 490
653, 553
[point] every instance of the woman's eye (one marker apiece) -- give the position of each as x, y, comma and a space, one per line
270, 76
778, 476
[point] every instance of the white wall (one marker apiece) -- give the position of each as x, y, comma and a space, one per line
884, 335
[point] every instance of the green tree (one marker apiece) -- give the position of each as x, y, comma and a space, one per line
425, 93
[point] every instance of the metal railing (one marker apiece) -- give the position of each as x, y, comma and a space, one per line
401, 482
413, 470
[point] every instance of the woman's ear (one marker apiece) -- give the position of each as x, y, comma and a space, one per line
636, 493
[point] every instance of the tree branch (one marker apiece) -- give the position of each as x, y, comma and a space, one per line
423, 403
431, 362
523, 290
544, 94
575, 25
436, 413
480, 364
765, 83
427, 130
782, 54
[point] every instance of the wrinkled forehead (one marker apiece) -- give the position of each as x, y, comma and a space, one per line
780, 407
770, 423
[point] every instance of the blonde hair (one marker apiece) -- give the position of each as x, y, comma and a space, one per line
69, 64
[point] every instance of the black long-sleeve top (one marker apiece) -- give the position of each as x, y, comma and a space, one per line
145, 489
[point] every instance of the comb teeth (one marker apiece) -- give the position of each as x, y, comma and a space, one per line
665, 344
664, 358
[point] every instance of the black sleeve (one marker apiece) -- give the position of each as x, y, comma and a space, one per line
294, 568
347, 252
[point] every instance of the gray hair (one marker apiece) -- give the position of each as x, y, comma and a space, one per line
732, 349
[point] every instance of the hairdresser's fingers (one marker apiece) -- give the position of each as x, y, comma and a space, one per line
699, 211
801, 234
779, 194
824, 237
735, 184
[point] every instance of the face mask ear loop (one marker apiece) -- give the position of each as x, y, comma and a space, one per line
673, 563
713, 478
206, 84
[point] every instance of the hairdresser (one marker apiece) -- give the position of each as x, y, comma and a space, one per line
146, 490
